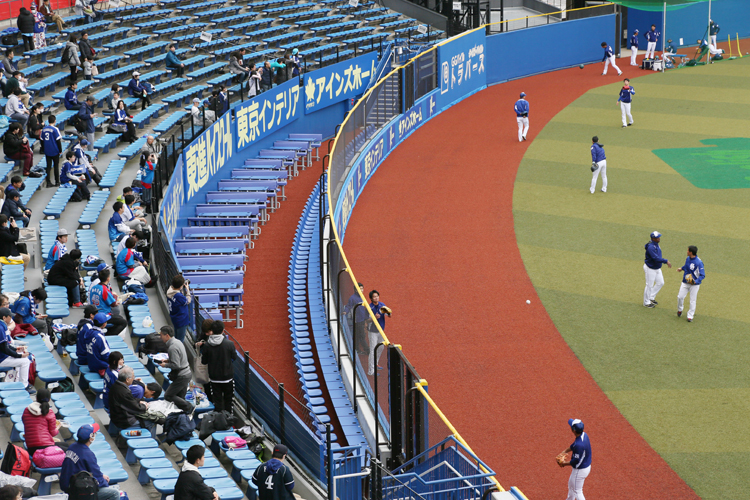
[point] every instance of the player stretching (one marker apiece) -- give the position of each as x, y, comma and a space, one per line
691, 281
580, 460
634, 48
626, 97
609, 58
652, 37
522, 116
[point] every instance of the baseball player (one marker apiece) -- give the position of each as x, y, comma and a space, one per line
522, 116
626, 97
691, 281
634, 48
380, 311
580, 460
713, 30
652, 36
652, 267
609, 58
598, 164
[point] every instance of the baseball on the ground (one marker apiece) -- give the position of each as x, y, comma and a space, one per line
528, 302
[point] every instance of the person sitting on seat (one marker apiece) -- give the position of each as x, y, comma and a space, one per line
131, 264
17, 184
83, 160
116, 362
65, 272
12, 356
190, 484
71, 98
84, 330
97, 349
74, 174
79, 457
117, 227
58, 249
11, 208
125, 410
173, 61
139, 89
25, 306
9, 239
106, 301
40, 425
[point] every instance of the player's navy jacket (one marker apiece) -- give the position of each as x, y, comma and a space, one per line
581, 452
626, 94
634, 41
694, 266
654, 260
97, 350
522, 108
652, 35
375, 308
597, 152
608, 52
714, 29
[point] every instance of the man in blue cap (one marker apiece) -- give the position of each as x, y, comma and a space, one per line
522, 116
79, 457
580, 460
634, 48
652, 267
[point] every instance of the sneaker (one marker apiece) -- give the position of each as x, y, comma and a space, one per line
604, 190
654, 302
690, 320
624, 126
679, 313
30, 389
630, 124
650, 306
524, 138
77, 304
619, 74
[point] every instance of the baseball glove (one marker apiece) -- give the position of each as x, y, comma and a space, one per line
560, 459
689, 279
594, 166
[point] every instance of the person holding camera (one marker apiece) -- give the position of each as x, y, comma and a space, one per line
180, 374
147, 178
178, 301
9, 239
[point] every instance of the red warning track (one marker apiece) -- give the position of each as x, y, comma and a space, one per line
433, 232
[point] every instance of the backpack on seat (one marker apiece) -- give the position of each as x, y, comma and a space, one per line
83, 486
16, 461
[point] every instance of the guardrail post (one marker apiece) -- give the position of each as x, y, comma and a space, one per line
248, 406
336, 296
281, 414
377, 427
329, 455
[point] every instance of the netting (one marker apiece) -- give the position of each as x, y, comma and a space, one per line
658, 5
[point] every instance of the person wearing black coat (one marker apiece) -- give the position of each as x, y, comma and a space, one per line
219, 354
8, 240
124, 409
190, 484
12, 208
16, 146
85, 46
25, 25
65, 273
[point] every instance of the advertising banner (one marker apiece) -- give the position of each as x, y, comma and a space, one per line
207, 154
267, 113
336, 83
462, 67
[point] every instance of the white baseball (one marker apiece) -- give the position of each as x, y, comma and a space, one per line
528, 302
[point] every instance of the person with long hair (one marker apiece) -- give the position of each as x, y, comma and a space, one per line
40, 425
124, 123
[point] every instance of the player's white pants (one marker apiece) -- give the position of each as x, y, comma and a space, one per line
575, 483
374, 339
712, 38
595, 175
651, 49
713, 50
22, 367
625, 108
523, 127
684, 290
654, 282
610, 60
633, 55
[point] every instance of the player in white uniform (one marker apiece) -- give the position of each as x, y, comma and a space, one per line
652, 37
522, 116
691, 281
598, 164
609, 58
652, 267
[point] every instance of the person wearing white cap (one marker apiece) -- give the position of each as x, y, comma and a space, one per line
203, 117
580, 460
58, 249
522, 116
652, 267
139, 89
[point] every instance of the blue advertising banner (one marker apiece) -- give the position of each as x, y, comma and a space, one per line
170, 208
207, 154
266, 113
336, 83
462, 67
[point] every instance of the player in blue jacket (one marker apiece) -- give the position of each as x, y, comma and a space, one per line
713, 31
598, 164
52, 146
380, 311
580, 459
652, 267
626, 98
652, 36
634, 48
609, 58
693, 275
522, 116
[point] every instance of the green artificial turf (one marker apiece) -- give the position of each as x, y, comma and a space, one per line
682, 169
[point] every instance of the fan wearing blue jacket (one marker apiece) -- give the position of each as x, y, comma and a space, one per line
609, 58
626, 98
693, 275
97, 348
79, 457
71, 98
598, 164
652, 267
522, 116
634, 48
84, 331
652, 36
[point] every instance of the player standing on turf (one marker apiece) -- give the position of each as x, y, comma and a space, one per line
652, 37
652, 267
598, 164
691, 281
634, 48
609, 58
626, 97
522, 116
713, 30
580, 460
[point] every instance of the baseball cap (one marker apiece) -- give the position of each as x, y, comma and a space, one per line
656, 234
575, 424
84, 142
137, 391
4, 311
136, 73
102, 267
102, 318
89, 310
86, 431
196, 100
636, 31
280, 449
62, 232
295, 51
523, 94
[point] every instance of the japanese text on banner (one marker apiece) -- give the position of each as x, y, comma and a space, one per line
336, 83
206, 155
266, 113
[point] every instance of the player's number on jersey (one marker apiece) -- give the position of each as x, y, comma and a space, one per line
269, 482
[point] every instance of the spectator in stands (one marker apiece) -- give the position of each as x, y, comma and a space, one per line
125, 191
72, 173
25, 309
87, 51
173, 61
123, 123
116, 362
15, 110
16, 146
36, 123
236, 67
58, 249
131, 264
97, 347
223, 99
40, 27
178, 301
125, 410
152, 146
87, 115
152, 390
70, 57
204, 117
117, 227
13, 83
219, 354
9, 239
147, 178
283, 70
65, 272
180, 376
253, 85
266, 77
138, 89
106, 301
12, 210
114, 96
40, 425
296, 60
213, 103
84, 331
380, 311
50, 16
11, 356
52, 147
190, 484
8, 66
25, 24
134, 217
88, 64
79, 457
16, 184
83, 160
71, 97
273, 478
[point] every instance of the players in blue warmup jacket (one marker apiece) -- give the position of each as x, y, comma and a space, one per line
713, 31
609, 58
598, 164
634, 48
652, 267
652, 36
522, 116
626, 97
693, 274
580, 459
